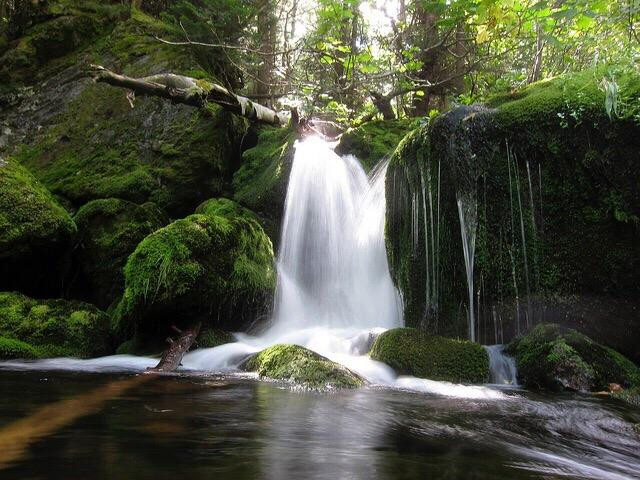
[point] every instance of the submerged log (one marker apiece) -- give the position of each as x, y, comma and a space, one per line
172, 356
189, 91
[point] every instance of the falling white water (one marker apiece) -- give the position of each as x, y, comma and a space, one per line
334, 294
468, 214
502, 368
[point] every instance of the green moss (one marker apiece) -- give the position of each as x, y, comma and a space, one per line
302, 367
11, 348
55, 327
412, 352
213, 337
109, 231
261, 181
216, 268
372, 141
551, 356
29, 216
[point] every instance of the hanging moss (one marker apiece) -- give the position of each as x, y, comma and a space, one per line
554, 357
217, 268
55, 327
302, 367
412, 352
109, 231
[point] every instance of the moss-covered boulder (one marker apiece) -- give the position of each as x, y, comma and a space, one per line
554, 357
372, 141
545, 180
35, 232
54, 327
109, 230
302, 367
216, 267
413, 352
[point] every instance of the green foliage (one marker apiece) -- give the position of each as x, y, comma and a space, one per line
302, 367
30, 217
219, 262
554, 357
109, 231
413, 352
54, 327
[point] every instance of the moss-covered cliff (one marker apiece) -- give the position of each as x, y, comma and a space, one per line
547, 179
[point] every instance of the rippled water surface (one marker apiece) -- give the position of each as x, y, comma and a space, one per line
100, 425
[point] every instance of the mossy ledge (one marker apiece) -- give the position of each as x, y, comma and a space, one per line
52, 328
413, 352
302, 367
553, 357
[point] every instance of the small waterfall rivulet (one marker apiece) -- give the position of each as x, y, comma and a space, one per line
502, 368
468, 214
335, 292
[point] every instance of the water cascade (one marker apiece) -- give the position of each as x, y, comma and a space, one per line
335, 293
468, 213
502, 368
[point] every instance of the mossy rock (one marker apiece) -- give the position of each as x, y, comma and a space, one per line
11, 349
630, 396
556, 358
302, 367
109, 230
413, 352
55, 328
216, 268
89, 143
375, 140
261, 181
552, 180
35, 232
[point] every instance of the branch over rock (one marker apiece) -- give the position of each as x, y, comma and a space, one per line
189, 91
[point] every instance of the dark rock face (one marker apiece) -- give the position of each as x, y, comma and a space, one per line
557, 358
547, 178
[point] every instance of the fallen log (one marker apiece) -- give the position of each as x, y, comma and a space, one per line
172, 356
189, 91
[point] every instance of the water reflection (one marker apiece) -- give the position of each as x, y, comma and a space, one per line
229, 427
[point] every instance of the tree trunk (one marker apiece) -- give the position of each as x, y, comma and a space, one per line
172, 357
187, 90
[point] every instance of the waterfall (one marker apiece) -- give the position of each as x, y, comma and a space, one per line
468, 213
502, 368
332, 267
